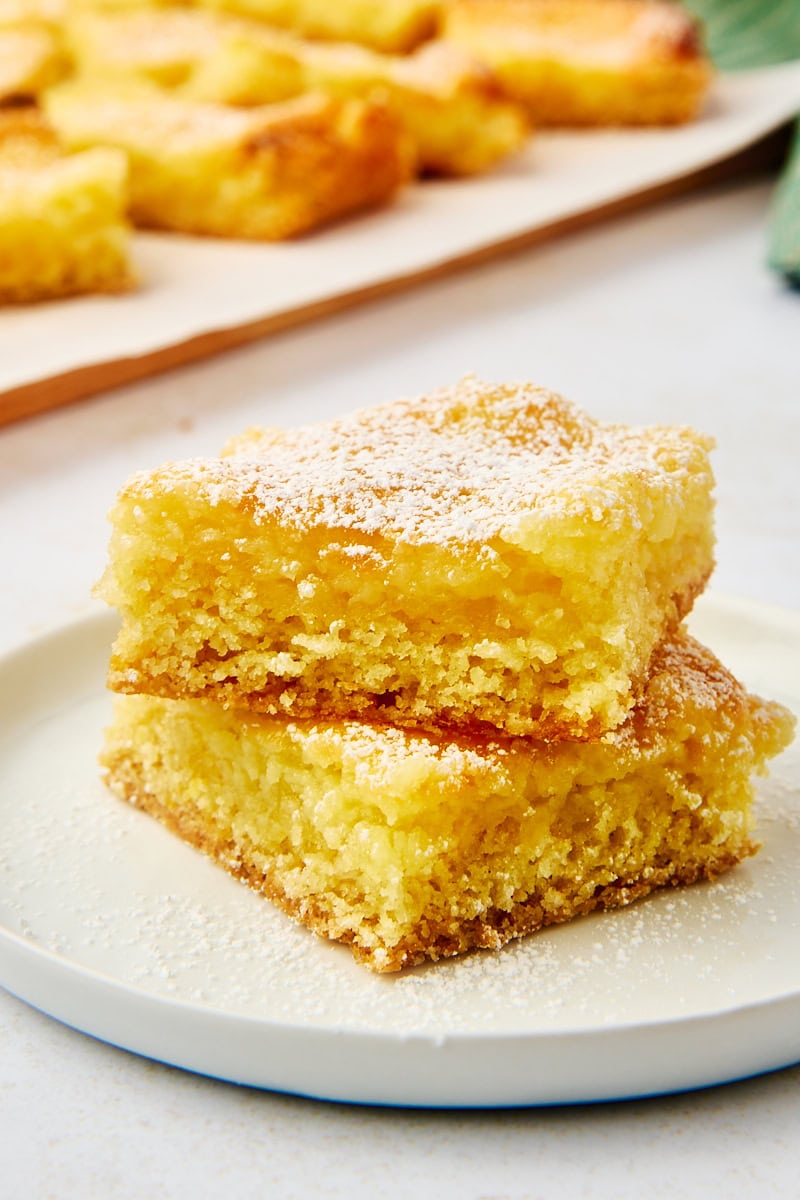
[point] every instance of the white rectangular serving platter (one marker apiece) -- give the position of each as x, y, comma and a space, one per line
201, 295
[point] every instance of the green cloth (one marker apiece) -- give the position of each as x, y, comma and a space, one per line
749, 33
757, 33
784, 240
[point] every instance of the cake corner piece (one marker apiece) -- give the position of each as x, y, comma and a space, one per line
63, 226
580, 63
267, 173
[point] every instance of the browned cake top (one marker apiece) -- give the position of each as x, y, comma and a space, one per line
442, 68
463, 465
641, 28
687, 683
135, 113
686, 680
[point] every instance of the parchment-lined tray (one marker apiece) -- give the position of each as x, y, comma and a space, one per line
200, 296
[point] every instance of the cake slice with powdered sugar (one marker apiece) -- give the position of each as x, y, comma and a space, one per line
486, 557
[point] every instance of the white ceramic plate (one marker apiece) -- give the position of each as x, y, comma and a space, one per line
110, 924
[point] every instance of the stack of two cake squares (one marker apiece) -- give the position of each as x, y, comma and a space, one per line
418, 674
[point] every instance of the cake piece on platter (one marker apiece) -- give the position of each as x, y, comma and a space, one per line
263, 173
452, 107
485, 556
578, 62
459, 117
411, 846
63, 228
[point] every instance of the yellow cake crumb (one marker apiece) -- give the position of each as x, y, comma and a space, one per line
62, 216
410, 846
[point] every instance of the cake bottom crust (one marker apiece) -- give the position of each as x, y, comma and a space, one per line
432, 940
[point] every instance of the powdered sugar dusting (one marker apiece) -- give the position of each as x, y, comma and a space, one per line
378, 750
463, 465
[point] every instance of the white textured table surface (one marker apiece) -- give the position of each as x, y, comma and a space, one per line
665, 316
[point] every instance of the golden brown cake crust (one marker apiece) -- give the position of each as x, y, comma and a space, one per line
651, 29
